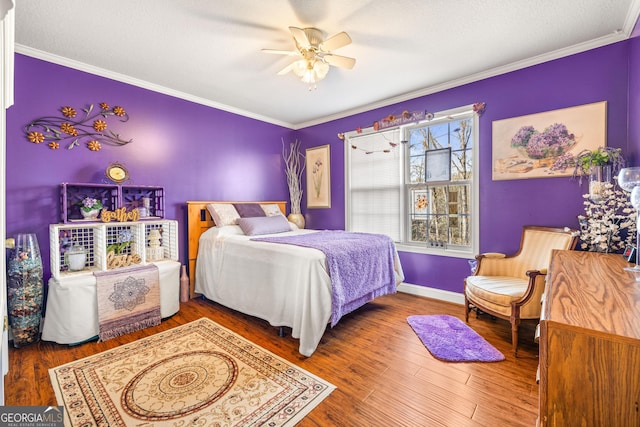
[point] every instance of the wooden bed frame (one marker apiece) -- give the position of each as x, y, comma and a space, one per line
198, 221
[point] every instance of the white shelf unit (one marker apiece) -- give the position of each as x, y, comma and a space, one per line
96, 237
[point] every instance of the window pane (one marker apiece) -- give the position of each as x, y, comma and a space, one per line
461, 134
438, 200
419, 228
416, 169
419, 208
437, 227
375, 179
437, 231
459, 202
459, 231
461, 165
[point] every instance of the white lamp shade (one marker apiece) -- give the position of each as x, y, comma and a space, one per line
321, 69
310, 71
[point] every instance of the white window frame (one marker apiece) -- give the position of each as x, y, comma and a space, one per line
404, 245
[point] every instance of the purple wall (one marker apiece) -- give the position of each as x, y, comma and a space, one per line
597, 75
199, 153
633, 141
194, 152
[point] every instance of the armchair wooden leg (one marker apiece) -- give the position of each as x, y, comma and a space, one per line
466, 309
514, 336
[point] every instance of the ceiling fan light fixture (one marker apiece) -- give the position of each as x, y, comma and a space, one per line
321, 69
316, 56
300, 67
310, 71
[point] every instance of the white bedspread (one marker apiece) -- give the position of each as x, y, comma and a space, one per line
285, 285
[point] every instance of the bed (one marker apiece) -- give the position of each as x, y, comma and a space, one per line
266, 276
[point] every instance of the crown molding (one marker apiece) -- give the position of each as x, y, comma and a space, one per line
80, 66
617, 36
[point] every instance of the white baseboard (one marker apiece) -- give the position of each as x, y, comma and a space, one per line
424, 291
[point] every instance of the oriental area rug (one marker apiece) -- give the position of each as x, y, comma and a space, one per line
197, 374
449, 339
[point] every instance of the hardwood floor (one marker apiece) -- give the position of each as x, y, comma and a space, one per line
383, 374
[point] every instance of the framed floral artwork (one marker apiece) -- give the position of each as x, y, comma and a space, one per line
546, 144
318, 177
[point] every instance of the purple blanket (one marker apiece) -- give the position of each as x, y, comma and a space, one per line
361, 265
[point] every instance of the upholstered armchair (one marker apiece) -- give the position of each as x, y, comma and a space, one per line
511, 287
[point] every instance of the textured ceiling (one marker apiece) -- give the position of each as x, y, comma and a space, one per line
209, 51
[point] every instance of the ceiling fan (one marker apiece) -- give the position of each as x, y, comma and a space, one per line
316, 54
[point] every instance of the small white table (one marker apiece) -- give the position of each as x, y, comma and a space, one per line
71, 316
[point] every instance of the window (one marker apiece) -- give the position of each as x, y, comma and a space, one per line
374, 182
421, 192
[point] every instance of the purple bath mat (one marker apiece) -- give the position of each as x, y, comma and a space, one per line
450, 339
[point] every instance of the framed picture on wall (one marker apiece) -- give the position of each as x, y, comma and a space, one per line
318, 177
546, 144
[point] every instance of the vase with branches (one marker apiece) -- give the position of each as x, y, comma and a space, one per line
294, 167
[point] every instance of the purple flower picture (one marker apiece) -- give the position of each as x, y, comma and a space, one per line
546, 144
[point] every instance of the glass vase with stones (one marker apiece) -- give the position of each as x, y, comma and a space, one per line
25, 290
599, 176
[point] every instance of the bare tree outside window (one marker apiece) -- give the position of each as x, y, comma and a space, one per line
440, 212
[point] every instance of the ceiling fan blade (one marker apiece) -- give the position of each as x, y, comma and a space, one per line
299, 36
282, 52
335, 42
286, 69
340, 61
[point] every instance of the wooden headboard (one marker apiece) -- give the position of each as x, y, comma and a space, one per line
198, 221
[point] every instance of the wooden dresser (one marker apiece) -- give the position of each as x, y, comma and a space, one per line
590, 342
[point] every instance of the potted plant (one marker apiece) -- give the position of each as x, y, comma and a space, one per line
586, 160
600, 165
123, 241
90, 207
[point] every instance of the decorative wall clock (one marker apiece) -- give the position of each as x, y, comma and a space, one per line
117, 173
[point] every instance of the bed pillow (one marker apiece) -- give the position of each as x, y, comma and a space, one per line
264, 225
249, 210
271, 209
216, 232
223, 214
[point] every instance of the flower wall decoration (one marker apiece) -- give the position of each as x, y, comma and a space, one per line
91, 129
479, 107
405, 117
546, 144
318, 168
399, 119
